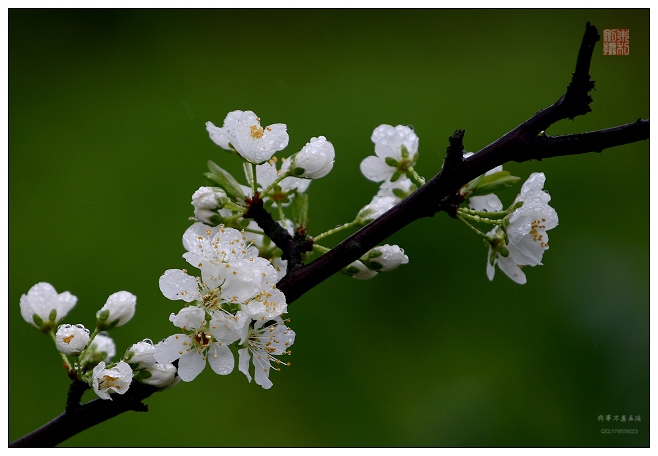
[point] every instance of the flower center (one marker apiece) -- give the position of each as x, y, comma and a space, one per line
256, 131
536, 235
109, 381
202, 340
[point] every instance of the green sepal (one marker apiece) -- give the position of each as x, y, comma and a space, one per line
141, 374
37, 320
102, 316
224, 179
396, 175
373, 265
52, 317
494, 182
405, 152
300, 210
298, 171
351, 270
390, 161
399, 193
374, 253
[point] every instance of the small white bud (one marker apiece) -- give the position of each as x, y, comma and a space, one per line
358, 270
207, 201
162, 375
140, 355
315, 160
119, 308
387, 258
71, 339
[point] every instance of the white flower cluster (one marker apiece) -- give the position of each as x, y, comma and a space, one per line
522, 239
396, 151
278, 182
44, 308
235, 302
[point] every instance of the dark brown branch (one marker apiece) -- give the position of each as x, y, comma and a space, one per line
292, 247
525, 142
85, 416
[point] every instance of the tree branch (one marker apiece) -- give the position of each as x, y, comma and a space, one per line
526, 142
77, 419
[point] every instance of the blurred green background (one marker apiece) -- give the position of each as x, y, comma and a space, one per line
108, 143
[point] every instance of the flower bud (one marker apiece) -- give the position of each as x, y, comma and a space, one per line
158, 375
140, 355
71, 339
358, 270
376, 208
386, 258
119, 308
207, 201
43, 308
102, 348
315, 160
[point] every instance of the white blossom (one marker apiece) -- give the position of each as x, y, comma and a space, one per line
526, 231
244, 133
71, 339
227, 260
389, 144
219, 135
118, 310
43, 308
315, 160
113, 380
262, 343
201, 341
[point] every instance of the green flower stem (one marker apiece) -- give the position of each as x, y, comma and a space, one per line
415, 177
282, 216
233, 207
254, 183
250, 230
477, 218
275, 182
336, 230
320, 248
91, 339
477, 231
67, 363
467, 210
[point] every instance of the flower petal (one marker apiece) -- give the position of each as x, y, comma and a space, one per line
220, 359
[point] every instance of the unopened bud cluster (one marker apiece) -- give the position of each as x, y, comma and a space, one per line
88, 356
